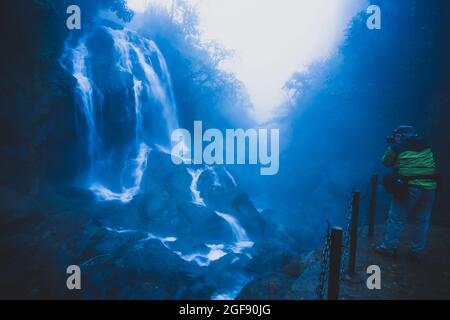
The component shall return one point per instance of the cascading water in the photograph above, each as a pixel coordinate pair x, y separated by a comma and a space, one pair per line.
230, 176
125, 97
216, 177
242, 241
127, 194
135, 52
81, 72
154, 113
196, 198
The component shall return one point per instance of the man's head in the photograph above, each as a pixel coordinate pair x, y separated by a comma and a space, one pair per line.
403, 132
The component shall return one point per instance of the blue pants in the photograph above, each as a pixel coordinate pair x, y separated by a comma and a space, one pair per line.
418, 205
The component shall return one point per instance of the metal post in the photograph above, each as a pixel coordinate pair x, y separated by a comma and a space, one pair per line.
335, 264
373, 204
356, 197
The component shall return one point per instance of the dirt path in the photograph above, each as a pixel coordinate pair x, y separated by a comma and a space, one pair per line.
402, 278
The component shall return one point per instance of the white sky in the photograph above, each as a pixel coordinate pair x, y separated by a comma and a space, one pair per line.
271, 39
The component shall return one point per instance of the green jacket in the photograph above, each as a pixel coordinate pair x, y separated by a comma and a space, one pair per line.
412, 157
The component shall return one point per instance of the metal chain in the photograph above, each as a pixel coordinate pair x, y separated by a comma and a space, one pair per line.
346, 242
324, 264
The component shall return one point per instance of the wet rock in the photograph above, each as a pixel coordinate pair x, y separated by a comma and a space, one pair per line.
273, 286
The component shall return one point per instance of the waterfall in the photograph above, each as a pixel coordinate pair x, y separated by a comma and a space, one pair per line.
196, 198
230, 176
204, 259
149, 236
81, 71
127, 194
216, 177
240, 236
142, 61
129, 45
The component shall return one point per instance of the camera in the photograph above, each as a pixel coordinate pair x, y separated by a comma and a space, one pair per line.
390, 139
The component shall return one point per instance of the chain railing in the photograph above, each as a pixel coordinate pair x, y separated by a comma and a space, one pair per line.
346, 242
349, 236
324, 263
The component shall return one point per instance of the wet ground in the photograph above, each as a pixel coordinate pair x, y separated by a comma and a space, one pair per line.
402, 278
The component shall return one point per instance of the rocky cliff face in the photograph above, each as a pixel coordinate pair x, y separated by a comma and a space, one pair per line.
163, 244
40, 137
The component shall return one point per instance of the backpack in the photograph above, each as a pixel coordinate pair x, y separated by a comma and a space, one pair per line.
397, 185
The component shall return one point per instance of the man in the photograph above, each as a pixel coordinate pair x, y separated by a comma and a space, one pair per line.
413, 163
